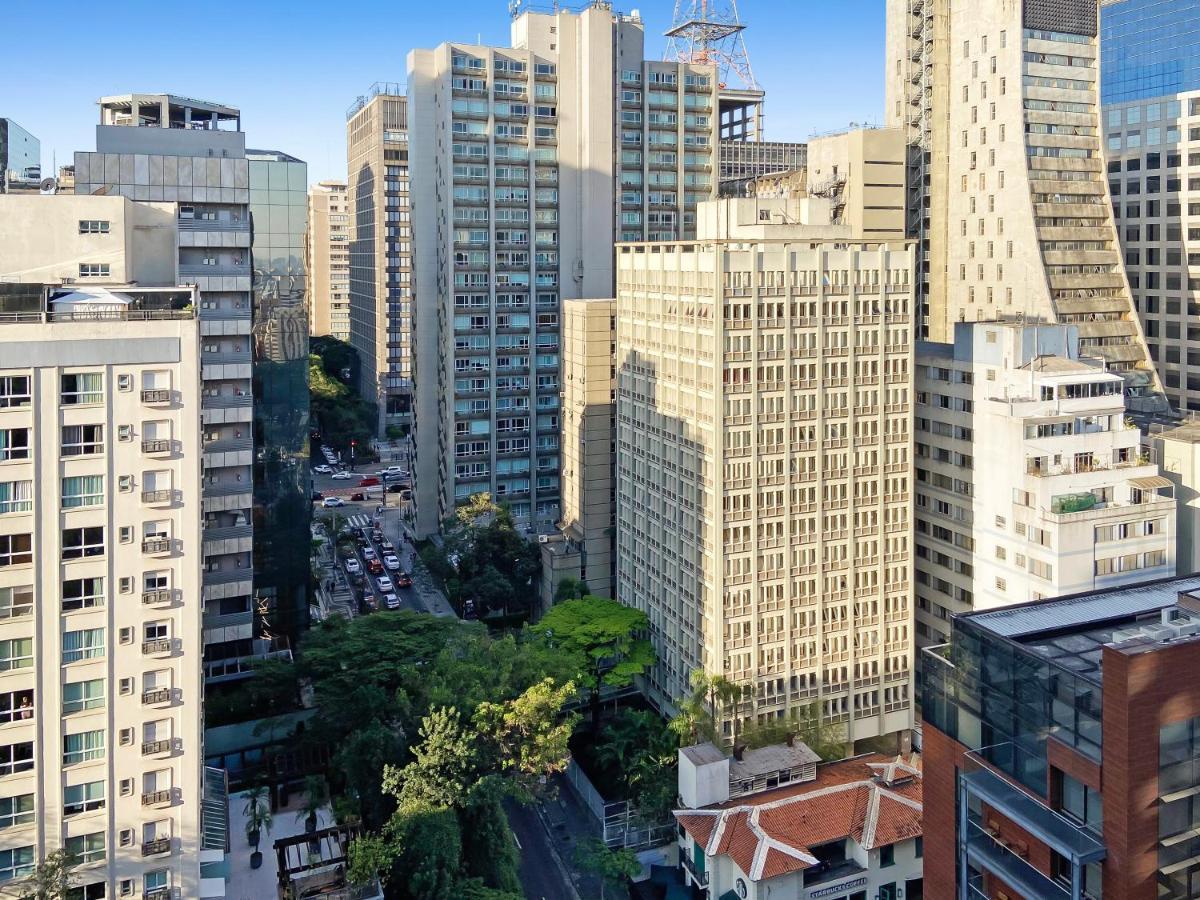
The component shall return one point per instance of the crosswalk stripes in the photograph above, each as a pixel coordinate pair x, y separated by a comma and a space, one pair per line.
359, 521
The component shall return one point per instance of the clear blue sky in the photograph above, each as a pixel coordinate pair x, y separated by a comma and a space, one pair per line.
293, 67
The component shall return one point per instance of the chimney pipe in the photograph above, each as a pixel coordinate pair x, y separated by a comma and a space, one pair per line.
738, 751
791, 739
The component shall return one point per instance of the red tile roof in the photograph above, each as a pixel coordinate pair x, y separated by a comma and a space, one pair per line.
874, 799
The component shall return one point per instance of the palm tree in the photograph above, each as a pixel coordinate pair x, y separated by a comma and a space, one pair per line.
315, 796
258, 819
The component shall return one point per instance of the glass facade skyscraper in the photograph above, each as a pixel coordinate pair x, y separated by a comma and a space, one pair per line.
278, 215
1148, 48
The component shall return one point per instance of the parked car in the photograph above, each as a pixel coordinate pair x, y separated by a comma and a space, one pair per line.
392, 563
366, 482
344, 475
368, 552
330, 502
353, 567
385, 584
391, 601
404, 579
323, 470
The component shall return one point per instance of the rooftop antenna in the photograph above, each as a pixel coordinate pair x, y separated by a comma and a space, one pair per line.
709, 32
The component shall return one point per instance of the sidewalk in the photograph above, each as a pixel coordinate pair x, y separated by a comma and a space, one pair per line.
570, 824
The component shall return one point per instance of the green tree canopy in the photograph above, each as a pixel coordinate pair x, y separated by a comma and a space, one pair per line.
602, 638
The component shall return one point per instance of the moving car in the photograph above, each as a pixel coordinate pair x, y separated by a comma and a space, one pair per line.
358, 495
375, 567
323, 470
368, 552
404, 579
353, 567
395, 488
346, 475
386, 546
385, 584
391, 601
392, 563
317, 495
366, 482
330, 502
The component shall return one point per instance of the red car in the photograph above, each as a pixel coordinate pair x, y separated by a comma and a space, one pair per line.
404, 580
368, 482
375, 567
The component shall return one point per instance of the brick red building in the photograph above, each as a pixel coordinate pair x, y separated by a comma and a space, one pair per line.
1061, 744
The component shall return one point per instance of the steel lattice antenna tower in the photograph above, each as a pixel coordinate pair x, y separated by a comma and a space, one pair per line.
710, 32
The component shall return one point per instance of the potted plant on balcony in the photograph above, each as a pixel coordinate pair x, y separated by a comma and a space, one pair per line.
258, 819
315, 796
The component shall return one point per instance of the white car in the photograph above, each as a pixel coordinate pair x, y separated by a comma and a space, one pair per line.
323, 470
393, 470
330, 502
385, 584
391, 601
353, 567
391, 563
368, 553
343, 475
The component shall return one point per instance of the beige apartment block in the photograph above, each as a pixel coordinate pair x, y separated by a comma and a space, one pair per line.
1002, 108
327, 258
101, 639
584, 548
764, 461
529, 161
381, 299
1031, 481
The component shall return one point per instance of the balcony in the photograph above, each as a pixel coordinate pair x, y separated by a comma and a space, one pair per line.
153, 598
156, 696
158, 798
167, 745
158, 646
156, 395
162, 893
156, 545
159, 497
156, 846
156, 446
699, 875
212, 225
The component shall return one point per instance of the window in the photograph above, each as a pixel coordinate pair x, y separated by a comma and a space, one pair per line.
16, 758
156, 880
97, 890
1081, 803
84, 746
78, 798
86, 848
16, 601
82, 389
14, 391
16, 810
14, 444
16, 653
87, 643
82, 440
83, 695
16, 496
82, 593
93, 226
82, 490
81, 542
887, 856
16, 863
93, 270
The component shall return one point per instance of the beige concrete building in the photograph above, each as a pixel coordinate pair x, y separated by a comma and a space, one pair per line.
100, 585
381, 298
764, 460
1178, 453
529, 161
327, 258
1031, 482
584, 548
1000, 101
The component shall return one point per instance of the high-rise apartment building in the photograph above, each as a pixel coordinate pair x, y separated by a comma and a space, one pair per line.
20, 155
242, 252
327, 260
528, 163
586, 550
381, 291
763, 457
1061, 743
1008, 198
1150, 88
100, 547
1031, 482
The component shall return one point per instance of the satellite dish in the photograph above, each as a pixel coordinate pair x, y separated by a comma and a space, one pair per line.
48, 186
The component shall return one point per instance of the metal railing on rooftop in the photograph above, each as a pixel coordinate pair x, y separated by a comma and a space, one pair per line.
96, 315
379, 88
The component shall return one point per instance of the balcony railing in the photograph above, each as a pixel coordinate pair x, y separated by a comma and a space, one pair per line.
156, 545
161, 496
156, 395
161, 645
150, 598
156, 846
168, 745
158, 695
158, 798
